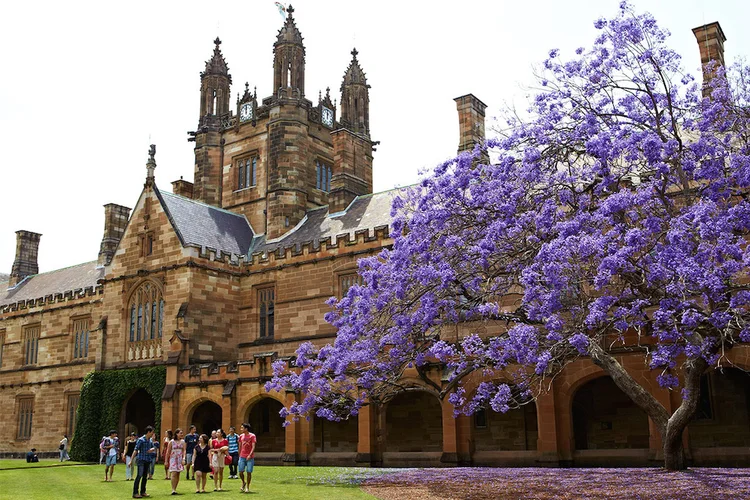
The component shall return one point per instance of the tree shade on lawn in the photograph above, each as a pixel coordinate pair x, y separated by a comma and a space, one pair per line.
613, 217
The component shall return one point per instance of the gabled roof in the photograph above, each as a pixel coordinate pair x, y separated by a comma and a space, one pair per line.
364, 213
198, 224
41, 285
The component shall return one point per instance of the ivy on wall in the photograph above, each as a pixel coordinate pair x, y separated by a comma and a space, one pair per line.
103, 394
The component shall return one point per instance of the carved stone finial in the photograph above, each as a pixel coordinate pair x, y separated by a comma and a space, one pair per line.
290, 10
150, 165
217, 41
354, 52
247, 87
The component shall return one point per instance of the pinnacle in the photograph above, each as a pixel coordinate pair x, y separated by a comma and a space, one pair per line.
354, 52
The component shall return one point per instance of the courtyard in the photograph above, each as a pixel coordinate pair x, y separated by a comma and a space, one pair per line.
50, 480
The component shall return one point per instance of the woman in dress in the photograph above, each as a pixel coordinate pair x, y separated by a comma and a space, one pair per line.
219, 451
167, 439
201, 464
176, 454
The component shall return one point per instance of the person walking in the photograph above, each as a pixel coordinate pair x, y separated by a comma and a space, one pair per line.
201, 463
64, 448
220, 451
167, 439
155, 457
176, 454
143, 455
234, 452
190, 441
102, 452
111, 447
127, 456
247, 456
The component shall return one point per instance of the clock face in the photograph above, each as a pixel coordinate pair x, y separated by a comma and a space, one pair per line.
246, 112
326, 116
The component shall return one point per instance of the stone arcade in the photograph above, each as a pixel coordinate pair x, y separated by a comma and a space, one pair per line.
221, 276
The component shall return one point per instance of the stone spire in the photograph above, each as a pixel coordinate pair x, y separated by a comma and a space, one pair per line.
289, 60
355, 99
289, 32
151, 165
217, 65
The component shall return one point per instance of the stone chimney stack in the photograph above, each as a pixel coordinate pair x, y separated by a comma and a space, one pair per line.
710, 38
182, 187
27, 253
115, 220
470, 122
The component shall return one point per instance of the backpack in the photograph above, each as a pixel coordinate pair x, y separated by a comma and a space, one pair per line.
105, 442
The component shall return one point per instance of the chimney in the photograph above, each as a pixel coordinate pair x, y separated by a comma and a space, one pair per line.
115, 220
711, 40
183, 188
470, 122
27, 252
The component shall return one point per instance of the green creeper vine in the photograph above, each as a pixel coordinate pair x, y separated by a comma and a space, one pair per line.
102, 395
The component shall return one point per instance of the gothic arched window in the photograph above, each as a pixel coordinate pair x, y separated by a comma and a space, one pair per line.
146, 313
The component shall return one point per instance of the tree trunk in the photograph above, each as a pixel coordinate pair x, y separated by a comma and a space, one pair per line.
674, 454
670, 427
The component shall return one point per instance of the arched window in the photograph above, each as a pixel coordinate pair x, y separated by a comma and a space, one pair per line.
146, 313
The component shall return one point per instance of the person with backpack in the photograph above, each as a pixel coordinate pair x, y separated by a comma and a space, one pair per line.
111, 447
64, 448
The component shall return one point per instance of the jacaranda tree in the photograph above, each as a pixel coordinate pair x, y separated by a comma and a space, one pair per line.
613, 219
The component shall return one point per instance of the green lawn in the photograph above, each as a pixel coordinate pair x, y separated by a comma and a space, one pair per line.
86, 482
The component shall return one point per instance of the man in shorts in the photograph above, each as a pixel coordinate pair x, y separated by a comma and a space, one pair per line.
247, 456
111, 448
191, 439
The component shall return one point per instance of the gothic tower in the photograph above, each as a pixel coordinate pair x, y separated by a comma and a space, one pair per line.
289, 60
215, 82
352, 147
288, 134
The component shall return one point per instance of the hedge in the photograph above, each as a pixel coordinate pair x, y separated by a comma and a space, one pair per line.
102, 395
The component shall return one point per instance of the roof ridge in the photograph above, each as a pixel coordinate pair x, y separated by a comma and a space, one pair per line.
62, 268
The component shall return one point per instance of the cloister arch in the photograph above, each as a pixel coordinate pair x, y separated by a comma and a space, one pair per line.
605, 418
138, 411
206, 415
723, 416
267, 425
414, 423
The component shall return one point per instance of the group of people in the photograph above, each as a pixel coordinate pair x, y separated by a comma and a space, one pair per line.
181, 453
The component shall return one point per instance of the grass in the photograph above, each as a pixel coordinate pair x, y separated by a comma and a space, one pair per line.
86, 482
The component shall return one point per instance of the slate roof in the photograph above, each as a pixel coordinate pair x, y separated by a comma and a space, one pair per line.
40, 285
206, 226
365, 212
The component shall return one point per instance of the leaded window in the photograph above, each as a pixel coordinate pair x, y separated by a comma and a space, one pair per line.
323, 174
247, 172
346, 281
80, 338
31, 344
73, 400
266, 299
146, 311
25, 417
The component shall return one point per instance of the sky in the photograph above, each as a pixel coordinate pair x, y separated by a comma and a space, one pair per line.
87, 86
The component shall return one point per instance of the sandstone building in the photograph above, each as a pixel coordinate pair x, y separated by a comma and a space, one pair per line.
218, 278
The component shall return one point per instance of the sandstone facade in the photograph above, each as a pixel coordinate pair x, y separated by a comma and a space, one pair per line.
228, 273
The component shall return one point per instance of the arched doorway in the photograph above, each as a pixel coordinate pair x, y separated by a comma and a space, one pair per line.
414, 423
267, 425
138, 412
605, 418
206, 417
336, 437
723, 416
